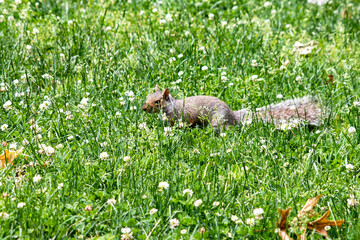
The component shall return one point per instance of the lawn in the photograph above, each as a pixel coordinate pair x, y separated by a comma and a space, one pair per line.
94, 165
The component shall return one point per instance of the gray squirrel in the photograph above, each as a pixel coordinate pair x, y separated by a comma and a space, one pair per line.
205, 110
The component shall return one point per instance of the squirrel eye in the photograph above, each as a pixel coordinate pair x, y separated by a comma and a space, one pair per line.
157, 101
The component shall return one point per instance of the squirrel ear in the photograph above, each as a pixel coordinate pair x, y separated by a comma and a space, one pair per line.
156, 88
166, 94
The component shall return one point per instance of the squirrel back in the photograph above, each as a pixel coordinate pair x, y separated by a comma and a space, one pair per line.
204, 110
195, 110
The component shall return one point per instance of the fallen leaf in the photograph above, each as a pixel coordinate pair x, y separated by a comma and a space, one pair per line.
299, 223
8, 157
307, 210
281, 223
320, 224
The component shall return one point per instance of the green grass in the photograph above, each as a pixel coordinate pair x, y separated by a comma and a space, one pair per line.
100, 50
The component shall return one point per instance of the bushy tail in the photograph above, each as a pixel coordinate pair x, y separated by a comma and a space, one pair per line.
289, 111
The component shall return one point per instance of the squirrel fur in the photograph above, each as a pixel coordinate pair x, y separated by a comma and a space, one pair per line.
205, 110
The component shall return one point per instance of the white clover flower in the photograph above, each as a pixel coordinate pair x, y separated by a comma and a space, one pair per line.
107, 29
187, 33
222, 134
142, 125
4, 215
167, 131
21, 205
234, 218
104, 155
126, 158
279, 96
196, 151
351, 202
153, 211
351, 130
184, 231
349, 167
267, 4
129, 93
214, 154
70, 22
60, 186
250, 221
88, 208
49, 150
117, 114
132, 108
16, 82
43, 107
71, 137
180, 56
174, 222
298, 78
211, 16
59, 146
7, 105
188, 191
127, 234
198, 203
162, 21
126, 230
37, 178
111, 201
46, 76
202, 48
163, 185
254, 77
168, 17
356, 104
224, 23
172, 59
216, 203
254, 63
258, 212
318, 2
84, 103
4, 127
204, 68
180, 73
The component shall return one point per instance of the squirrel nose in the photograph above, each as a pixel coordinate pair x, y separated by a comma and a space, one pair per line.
144, 107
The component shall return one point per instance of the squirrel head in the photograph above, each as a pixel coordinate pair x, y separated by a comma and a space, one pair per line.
156, 100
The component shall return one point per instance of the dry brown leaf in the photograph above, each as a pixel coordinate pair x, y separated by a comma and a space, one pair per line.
281, 223
8, 157
307, 210
320, 224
